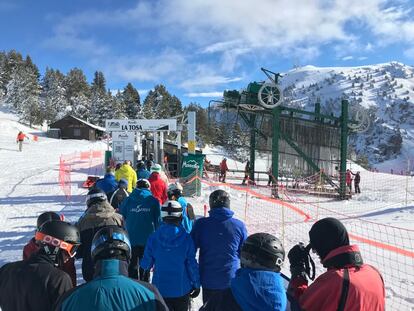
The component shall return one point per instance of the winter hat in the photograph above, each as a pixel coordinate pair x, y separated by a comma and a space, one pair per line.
123, 183
156, 168
219, 198
326, 235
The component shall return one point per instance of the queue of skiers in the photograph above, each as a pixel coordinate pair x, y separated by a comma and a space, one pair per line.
121, 246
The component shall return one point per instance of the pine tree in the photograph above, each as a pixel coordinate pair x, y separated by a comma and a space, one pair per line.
99, 100
23, 90
54, 103
78, 93
160, 104
131, 102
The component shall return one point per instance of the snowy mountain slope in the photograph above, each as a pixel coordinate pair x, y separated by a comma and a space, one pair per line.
386, 91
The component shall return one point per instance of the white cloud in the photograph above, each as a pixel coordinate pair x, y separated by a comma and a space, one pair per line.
409, 53
349, 57
362, 58
229, 31
204, 94
208, 81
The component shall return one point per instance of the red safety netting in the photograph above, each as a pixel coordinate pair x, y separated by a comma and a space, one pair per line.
383, 241
88, 162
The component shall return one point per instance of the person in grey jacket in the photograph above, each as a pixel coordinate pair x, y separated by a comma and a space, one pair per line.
99, 214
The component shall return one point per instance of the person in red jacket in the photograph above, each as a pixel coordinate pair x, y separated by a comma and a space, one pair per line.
158, 186
223, 170
32, 247
19, 139
348, 180
348, 284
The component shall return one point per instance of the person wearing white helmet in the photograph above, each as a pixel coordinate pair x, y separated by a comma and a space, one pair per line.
171, 252
158, 185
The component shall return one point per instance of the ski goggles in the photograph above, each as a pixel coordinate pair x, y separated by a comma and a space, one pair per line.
115, 236
47, 239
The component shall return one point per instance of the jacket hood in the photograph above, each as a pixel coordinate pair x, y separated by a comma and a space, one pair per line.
109, 176
124, 169
154, 176
343, 256
221, 213
259, 290
102, 207
170, 236
139, 194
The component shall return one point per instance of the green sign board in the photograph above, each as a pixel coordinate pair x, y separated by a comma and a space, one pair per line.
192, 165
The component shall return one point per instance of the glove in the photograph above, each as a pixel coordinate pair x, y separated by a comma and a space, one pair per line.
195, 292
297, 258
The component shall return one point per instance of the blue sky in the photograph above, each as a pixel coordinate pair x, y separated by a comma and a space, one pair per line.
198, 48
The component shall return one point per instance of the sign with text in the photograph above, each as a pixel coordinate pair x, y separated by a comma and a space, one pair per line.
123, 146
137, 125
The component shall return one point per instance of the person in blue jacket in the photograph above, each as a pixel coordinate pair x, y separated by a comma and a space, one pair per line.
141, 212
108, 183
258, 284
111, 289
142, 172
170, 251
219, 238
175, 192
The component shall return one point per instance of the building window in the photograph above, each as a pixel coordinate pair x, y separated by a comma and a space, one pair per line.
76, 132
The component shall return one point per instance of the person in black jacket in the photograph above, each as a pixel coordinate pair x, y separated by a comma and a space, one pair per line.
116, 197
37, 283
357, 180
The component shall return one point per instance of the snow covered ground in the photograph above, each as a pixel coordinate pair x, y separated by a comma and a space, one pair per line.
30, 186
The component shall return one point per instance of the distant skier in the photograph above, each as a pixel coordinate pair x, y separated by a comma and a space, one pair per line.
171, 252
246, 173
19, 140
111, 289
357, 180
33, 246
223, 170
348, 180
258, 284
348, 283
36, 284
220, 238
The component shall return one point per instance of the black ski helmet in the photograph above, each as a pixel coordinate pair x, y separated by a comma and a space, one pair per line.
140, 165
45, 217
95, 195
143, 183
174, 189
110, 242
262, 251
219, 198
171, 211
56, 235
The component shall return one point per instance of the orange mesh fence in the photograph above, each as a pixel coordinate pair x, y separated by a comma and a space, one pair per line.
88, 162
374, 219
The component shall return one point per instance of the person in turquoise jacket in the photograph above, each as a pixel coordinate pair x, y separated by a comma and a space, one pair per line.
141, 212
142, 172
111, 289
175, 192
171, 252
